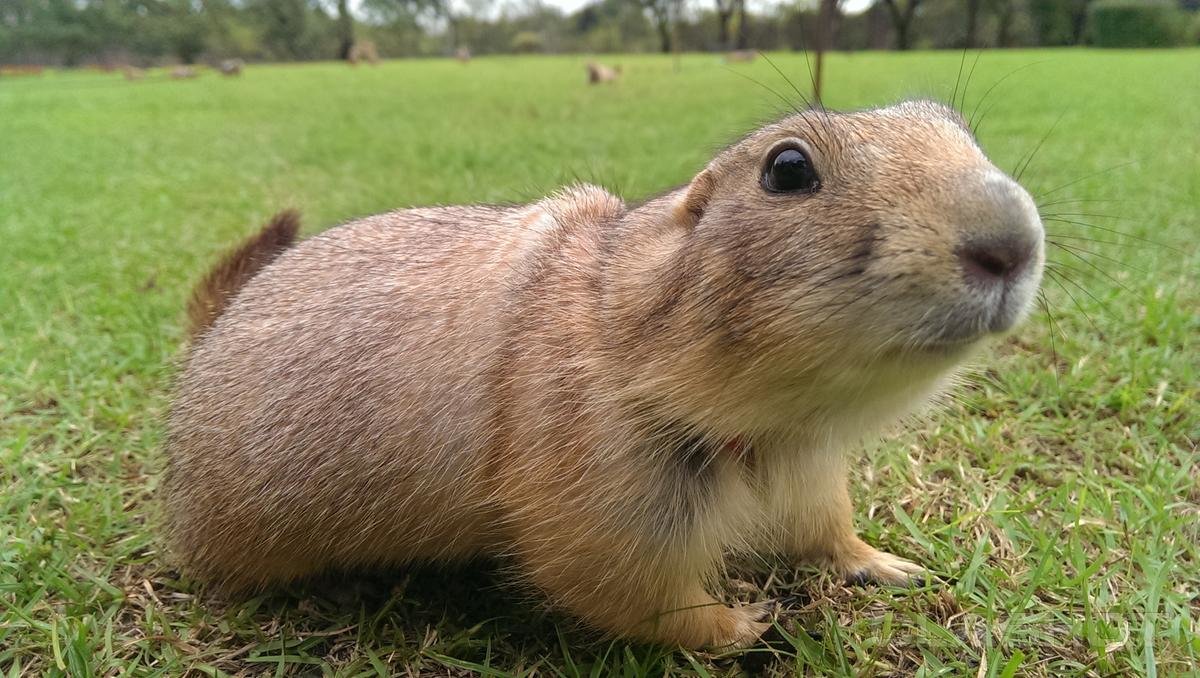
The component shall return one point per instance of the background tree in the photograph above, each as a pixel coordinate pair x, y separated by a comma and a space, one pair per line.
660, 13
1058, 22
1006, 11
972, 14
1079, 14
902, 12
742, 40
725, 11
827, 18
285, 27
345, 25
149, 32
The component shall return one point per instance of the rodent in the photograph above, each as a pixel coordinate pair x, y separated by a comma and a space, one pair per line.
598, 73
612, 397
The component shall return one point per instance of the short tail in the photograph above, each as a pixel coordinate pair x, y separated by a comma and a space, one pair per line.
213, 294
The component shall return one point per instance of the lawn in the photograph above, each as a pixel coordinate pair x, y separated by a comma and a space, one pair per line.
1056, 497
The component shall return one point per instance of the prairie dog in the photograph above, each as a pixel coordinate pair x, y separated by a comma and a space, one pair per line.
598, 73
613, 397
231, 67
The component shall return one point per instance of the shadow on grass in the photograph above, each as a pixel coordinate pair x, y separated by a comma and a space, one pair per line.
467, 619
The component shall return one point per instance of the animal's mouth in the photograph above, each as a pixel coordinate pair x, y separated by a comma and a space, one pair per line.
956, 328
983, 311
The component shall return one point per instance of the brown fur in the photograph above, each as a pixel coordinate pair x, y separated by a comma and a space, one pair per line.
236, 268
363, 50
614, 398
599, 73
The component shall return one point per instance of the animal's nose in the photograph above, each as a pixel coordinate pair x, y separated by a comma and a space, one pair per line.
992, 260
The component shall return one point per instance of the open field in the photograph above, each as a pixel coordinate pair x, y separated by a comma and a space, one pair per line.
1057, 498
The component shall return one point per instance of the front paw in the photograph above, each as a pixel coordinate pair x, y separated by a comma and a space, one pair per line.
861, 564
746, 624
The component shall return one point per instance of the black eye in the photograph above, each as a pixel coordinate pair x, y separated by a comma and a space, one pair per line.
790, 170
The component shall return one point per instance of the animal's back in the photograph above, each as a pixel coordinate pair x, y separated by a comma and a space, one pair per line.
350, 378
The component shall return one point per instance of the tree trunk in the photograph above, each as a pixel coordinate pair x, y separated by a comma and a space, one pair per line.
675, 14
1004, 31
663, 24
972, 24
724, 14
1078, 21
740, 6
824, 41
902, 20
345, 29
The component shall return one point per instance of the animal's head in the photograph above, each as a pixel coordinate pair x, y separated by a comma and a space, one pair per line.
867, 249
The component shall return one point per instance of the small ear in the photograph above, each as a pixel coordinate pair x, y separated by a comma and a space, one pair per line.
694, 202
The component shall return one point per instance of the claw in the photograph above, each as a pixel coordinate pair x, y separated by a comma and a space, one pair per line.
880, 567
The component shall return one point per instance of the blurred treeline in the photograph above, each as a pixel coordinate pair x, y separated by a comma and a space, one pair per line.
145, 32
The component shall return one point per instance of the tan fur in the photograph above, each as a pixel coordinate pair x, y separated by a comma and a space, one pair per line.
212, 295
613, 398
599, 73
363, 50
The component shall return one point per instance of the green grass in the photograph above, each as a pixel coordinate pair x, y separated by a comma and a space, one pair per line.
1057, 498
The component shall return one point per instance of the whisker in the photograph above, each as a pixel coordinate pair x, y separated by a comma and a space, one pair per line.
1085, 260
1084, 178
967, 84
813, 82
982, 116
1057, 265
782, 98
1055, 278
1064, 276
971, 121
1115, 232
812, 79
962, 60
1041, 296
1086, 214
1125, 264
1038, 147
1075, 200
1051, 236
817, 107
805, 99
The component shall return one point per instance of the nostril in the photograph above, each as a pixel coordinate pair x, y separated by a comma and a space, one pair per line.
987, 262
992, 261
